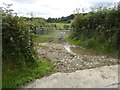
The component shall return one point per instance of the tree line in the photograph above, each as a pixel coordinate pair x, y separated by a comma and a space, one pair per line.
66, 19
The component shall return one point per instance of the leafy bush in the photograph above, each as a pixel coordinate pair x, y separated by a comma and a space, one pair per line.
98, 27
17, 40
20, 62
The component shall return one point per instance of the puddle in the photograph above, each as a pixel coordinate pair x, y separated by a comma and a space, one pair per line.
79, 50
82, 51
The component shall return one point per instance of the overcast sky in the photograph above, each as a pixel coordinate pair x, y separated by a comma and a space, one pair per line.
53, 8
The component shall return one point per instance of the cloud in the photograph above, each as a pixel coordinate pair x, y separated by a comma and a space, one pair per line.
53, 8
24, 1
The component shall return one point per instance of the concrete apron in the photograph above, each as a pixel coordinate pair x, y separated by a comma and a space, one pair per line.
102, 77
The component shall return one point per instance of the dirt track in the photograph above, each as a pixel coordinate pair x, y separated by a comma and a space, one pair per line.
65, 61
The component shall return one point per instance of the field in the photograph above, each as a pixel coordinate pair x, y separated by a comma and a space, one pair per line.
61, 25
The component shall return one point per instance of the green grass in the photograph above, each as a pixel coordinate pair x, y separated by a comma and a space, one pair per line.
45, 38
60, 25
19, 76
41, 39
72, 41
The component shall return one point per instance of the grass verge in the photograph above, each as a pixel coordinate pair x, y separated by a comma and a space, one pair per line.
72, 41
19, 76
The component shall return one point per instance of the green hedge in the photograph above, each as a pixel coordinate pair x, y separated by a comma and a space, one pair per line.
99, 28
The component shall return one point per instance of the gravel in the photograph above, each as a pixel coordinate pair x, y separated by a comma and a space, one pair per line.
65, 61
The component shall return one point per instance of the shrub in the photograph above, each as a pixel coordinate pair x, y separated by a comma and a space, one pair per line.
16, 39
